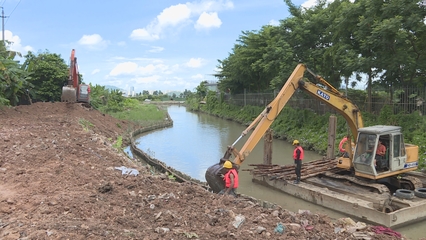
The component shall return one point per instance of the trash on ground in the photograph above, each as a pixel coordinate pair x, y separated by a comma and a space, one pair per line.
127, 171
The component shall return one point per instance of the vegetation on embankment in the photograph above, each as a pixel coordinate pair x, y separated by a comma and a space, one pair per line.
310, 128
128, 109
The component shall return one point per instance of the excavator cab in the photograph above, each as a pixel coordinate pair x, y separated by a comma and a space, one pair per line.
83, 93
368, 164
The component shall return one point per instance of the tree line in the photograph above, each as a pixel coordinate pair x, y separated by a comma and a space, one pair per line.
347, 41
40, 78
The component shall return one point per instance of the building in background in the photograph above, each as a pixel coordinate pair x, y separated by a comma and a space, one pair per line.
212, 86
131, 92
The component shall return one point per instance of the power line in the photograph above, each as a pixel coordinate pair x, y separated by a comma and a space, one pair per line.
13, 9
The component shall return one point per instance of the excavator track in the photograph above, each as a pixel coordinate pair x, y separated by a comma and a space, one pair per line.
410, 182
380, 188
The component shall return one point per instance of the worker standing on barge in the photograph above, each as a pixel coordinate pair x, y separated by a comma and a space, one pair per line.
298, 155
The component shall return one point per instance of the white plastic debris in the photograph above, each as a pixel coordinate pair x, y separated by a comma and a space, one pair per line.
127, 171
239, 219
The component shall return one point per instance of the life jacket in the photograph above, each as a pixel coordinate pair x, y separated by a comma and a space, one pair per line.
341, 148
301, 153
227, 178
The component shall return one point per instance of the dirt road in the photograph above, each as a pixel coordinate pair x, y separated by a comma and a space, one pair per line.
58, 180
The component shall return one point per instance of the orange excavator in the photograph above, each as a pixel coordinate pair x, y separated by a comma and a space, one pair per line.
75, 91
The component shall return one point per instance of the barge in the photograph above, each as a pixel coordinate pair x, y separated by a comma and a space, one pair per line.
322, 185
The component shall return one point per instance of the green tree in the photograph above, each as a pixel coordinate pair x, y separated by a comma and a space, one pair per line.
106, 100
49, 75
201, 90
14, 78
245, 67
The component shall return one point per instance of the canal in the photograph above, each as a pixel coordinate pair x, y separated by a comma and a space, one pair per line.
196, 141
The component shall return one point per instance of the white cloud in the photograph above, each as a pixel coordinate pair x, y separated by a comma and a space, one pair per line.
150, 79
155, 49
122, 43
170, 16
174, 15
197, 76
93, 41
177, 16
95, 71
206, 6
124, 68
143, 34
131, 68
309, 3
151, 68
208, 20
194, 62
15, 43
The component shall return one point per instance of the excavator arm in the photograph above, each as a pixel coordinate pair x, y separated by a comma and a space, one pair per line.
326, 94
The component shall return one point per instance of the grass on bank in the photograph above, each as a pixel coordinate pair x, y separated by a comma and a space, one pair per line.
132, 110
143, 114
137, 112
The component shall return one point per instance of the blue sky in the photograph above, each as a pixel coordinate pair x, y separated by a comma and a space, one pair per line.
162, 45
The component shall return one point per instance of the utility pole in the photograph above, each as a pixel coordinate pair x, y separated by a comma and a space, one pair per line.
2, 22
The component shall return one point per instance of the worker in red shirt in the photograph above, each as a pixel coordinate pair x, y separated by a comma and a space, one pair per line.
380, 156
342, 148
298, 155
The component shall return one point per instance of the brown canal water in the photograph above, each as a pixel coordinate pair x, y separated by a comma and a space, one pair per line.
196, 141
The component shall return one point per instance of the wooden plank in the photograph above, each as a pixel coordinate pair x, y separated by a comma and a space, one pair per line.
286, 172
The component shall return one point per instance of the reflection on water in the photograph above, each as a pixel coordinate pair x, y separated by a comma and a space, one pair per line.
197, 141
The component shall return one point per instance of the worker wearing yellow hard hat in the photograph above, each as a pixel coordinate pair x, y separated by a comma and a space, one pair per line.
227, 164
230, 178
298, 155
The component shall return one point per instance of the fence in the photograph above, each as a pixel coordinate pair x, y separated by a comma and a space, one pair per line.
402, 100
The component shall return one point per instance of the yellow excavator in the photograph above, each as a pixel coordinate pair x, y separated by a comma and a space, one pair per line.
75, 91
399, 158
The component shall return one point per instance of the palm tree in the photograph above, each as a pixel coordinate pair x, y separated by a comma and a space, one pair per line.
14, 83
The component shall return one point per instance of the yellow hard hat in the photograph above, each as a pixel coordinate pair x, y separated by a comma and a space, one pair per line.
227, 164
295, 142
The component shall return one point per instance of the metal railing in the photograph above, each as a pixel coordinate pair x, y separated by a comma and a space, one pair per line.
403, 100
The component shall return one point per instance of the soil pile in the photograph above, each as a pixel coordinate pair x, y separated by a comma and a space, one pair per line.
62, 178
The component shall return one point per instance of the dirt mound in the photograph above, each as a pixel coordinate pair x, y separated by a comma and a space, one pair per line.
59, 180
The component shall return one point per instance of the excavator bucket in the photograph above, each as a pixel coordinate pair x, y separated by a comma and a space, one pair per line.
69, 94
214, 179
